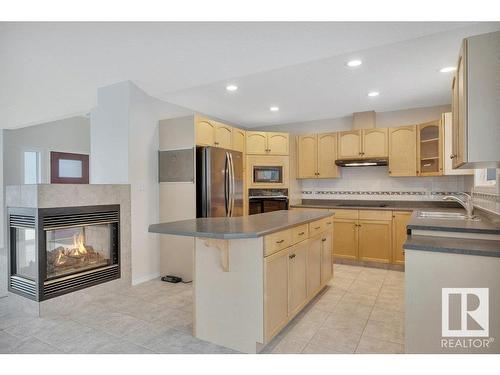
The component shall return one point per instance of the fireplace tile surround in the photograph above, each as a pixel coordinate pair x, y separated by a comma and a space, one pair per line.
49, 196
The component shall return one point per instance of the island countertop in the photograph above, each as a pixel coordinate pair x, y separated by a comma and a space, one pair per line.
252, 226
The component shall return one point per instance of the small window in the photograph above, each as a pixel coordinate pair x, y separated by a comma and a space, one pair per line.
68, 168
32, 167
485, 177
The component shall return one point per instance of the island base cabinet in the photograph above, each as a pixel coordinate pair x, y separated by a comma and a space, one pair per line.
276, 292
326, 257
297, 277
314, 265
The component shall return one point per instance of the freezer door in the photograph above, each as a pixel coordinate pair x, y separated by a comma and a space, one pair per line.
236, 191
218, 181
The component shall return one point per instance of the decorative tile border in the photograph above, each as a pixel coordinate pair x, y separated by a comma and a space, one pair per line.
406, 195
487, 196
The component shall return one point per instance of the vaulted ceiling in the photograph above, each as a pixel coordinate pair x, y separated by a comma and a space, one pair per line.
53, 70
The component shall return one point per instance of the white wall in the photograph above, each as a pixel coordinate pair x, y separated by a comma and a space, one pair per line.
3, 248
67, 135
124, 146
177, 201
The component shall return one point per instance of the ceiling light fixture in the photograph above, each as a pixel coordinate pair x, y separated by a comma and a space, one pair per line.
231, 87
447, 69
373, 93
354, 63
274, 109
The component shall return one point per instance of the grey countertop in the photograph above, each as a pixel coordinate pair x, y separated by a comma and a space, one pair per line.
238, 227
374, 204
484, 226
489, 248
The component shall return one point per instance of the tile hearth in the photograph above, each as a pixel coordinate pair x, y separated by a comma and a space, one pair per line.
362, 311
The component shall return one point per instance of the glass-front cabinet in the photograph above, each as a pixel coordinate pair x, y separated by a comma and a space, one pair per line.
430, 149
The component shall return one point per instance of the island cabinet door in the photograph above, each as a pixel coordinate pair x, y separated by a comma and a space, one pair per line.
276, 292
314, 265
326, 257
399, 222
297, 279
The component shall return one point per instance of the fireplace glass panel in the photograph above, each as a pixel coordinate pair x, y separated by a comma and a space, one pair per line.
25, 253
77, 249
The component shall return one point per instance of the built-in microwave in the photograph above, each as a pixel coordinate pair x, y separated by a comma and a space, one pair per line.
268, 174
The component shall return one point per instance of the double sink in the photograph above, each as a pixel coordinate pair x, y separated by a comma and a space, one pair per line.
446, 215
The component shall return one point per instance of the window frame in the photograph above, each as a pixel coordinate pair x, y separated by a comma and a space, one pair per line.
55, 178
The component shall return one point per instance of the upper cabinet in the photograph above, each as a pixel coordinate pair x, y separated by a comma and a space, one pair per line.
446, 124
430, 149
216, 134
363, 143
267, 143
316, 156
475, 103
349, 144
402, 151
375, 143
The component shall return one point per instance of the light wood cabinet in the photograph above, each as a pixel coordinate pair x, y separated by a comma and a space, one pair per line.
307, 150
205, 132
430, 149
238, 140
402, 151
326, 257
276, 292
256, 143
316, 155
345, 238
223, 135
267, 143
375, 143
446, 123
297, 277
399, 234
374, 240
349, 144
459, 109
314, 265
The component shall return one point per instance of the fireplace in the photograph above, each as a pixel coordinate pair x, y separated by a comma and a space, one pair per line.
54, 251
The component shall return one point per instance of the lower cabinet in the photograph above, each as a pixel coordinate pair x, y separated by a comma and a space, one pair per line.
374, 237
297, 277
313, 265
276, 292
345, 238
326, 257
399, 222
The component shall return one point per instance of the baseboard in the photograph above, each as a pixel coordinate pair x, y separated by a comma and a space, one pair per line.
143, 279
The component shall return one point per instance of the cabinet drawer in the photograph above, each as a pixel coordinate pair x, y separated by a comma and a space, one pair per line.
316, 227
375, 215
300, 233
277, 241
345, 214
328, 223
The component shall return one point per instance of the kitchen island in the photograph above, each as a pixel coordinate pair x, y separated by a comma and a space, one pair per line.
253, 274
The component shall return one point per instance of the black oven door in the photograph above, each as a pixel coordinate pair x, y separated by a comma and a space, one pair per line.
262, 205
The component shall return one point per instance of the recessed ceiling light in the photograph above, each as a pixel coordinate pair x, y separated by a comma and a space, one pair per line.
354, 63
447, 69
231, 87
373, 93
274, 108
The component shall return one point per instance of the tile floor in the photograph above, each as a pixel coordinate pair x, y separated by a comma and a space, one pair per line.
362, 311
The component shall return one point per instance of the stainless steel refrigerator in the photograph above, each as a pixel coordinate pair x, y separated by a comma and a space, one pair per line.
219, 182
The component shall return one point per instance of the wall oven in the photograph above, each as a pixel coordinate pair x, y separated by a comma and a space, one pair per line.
267, 200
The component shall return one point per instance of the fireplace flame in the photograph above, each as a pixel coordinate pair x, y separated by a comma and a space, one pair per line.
78, 245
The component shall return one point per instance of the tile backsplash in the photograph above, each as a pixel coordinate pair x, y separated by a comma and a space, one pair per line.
375, 183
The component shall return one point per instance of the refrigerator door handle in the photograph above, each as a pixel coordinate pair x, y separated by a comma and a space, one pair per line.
232, 184
226, 184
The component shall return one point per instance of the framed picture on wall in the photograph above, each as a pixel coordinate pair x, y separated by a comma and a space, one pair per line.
68, 168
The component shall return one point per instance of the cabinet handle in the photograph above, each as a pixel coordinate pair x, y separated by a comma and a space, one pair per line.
323, 239
301, 233
328, 222
216, 143
317, 227
389, 172
291, 256
453, 156
280, 241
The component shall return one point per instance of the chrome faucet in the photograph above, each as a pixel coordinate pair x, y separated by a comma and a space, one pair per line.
465, 202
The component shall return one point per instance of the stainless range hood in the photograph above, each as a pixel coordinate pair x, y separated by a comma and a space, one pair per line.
362, 120
361, 162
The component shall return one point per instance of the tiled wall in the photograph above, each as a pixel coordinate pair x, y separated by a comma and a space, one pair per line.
375, 183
